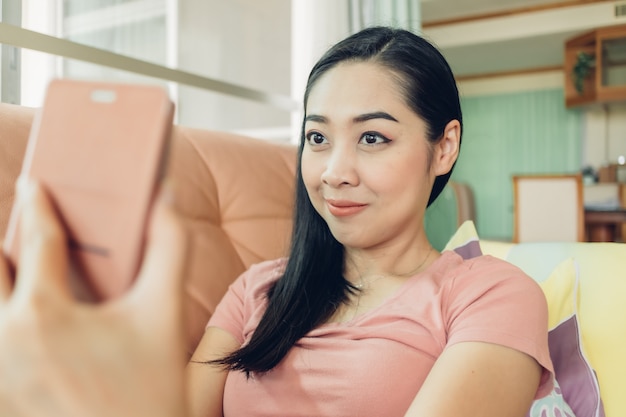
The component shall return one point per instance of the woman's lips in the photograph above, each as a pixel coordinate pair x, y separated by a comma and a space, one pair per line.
343, 208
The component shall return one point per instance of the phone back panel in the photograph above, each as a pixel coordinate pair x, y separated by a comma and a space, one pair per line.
98, 149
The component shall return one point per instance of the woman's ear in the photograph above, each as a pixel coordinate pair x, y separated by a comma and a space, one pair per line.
447, 149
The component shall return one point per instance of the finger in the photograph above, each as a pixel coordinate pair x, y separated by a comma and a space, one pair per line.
42, 265
160, 279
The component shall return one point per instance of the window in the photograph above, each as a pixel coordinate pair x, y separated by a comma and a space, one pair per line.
226, 42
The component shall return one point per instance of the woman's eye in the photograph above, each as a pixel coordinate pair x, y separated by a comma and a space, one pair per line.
315, 138
373, 139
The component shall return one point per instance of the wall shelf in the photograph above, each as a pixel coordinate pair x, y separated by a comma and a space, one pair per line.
606, 80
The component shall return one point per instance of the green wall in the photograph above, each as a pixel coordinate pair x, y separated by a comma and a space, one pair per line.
516, 133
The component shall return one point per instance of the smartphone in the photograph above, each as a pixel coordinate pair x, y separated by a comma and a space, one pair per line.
99, 150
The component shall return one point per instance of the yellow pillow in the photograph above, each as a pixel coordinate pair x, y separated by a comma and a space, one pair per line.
576, 379
602, 314
560, 291
601, 308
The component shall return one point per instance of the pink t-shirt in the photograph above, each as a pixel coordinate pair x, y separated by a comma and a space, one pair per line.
374, 364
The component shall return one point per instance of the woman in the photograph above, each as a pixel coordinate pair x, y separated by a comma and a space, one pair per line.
364, 317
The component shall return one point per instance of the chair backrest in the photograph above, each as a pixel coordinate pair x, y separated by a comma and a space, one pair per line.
449, 211
548, 208
465, 202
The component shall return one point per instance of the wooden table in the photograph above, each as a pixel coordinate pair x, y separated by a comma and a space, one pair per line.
603, 225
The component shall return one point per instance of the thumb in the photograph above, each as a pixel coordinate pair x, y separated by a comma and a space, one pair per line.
42, 264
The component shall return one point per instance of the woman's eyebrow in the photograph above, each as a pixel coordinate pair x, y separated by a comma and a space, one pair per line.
358, 119
316, 118
374, 115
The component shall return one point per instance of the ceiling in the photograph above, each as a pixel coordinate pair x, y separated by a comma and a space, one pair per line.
536, 46
433, 10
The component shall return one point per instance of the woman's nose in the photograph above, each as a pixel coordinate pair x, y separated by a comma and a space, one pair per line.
341, 168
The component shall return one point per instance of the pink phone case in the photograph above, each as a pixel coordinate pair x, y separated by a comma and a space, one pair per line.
99, 150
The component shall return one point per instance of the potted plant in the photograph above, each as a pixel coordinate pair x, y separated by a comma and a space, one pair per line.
582, 68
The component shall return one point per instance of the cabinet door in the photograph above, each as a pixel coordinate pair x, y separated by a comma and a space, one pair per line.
611, 64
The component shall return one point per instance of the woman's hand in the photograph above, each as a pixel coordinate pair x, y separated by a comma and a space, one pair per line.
60, 357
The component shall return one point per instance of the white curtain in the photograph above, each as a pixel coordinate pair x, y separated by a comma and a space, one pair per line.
398, 13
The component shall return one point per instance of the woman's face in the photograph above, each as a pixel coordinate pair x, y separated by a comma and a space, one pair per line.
365, 162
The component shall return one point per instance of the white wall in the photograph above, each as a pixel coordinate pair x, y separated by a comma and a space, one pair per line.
605, 134
511, 83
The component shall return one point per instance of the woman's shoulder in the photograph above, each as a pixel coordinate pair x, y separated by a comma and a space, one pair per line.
260, 276
481, 266
486, 273
266, 268
246, 297
493, 296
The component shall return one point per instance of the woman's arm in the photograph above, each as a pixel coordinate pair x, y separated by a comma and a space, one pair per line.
205, 382
478, 379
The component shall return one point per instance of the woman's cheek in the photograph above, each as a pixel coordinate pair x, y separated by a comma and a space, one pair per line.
311, 176
311, 170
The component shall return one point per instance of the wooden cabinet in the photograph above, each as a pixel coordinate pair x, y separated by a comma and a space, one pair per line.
595, 67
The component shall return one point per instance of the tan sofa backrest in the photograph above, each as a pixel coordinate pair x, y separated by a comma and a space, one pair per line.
235, 194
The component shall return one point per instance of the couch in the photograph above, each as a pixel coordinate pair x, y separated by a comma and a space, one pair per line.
235, 195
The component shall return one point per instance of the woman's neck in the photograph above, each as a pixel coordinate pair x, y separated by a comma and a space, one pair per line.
402, 261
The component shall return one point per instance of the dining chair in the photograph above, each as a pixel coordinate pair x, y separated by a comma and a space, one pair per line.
548, 208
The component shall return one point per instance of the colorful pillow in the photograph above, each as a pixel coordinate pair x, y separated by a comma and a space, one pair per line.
465, 241
601, 306
552, 405
576, 380
575, 392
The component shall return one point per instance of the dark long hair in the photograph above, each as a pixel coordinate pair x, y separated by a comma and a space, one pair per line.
313, 286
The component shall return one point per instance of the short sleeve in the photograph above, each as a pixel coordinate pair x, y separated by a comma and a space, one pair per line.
244, 302
496, 302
